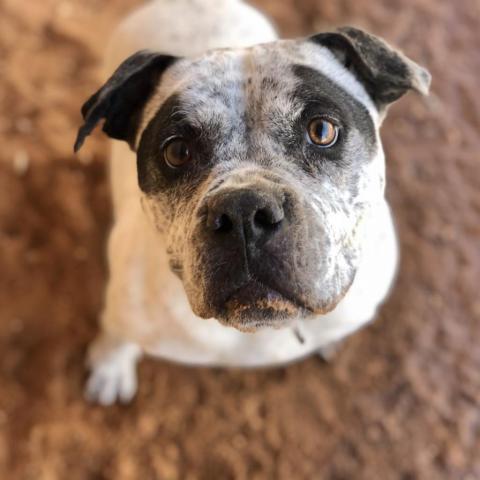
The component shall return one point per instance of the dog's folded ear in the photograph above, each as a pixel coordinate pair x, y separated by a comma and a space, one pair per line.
385, 73
121, 100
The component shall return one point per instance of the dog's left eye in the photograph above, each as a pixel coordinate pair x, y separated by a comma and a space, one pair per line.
322, 132
176, 152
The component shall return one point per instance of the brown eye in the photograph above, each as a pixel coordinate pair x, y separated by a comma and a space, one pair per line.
176, 153
322, 132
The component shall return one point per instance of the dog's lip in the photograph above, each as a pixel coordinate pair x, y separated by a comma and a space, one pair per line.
255, 295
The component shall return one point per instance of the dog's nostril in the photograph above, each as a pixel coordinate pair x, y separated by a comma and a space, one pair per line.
267, 219
222, 224
243, 213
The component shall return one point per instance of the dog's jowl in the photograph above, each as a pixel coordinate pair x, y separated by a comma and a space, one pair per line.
248, 180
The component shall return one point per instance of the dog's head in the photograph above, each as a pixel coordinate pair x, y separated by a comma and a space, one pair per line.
261, 166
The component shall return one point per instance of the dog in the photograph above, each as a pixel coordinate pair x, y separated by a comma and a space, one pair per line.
250, 222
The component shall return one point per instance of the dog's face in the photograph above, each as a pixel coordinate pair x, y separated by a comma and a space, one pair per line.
260, 167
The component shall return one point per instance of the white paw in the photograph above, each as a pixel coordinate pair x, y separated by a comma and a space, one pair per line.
113, 377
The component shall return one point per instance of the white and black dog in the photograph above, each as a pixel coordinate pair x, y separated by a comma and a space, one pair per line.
251, 226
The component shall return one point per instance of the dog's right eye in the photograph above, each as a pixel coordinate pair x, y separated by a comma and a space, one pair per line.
176, 152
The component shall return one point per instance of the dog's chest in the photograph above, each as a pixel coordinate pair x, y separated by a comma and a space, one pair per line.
196, 341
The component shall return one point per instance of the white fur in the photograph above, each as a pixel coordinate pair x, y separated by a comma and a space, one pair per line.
146, 307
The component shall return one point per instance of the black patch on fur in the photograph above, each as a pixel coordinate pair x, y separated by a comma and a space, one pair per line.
385, 73
322, 97
154, 175
121, 99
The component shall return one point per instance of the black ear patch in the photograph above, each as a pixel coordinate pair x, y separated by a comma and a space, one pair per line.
121, 100
386, 73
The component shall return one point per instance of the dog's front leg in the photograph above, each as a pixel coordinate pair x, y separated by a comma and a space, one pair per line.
112, 357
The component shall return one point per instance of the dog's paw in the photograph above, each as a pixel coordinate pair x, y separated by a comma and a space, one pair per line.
109, 383
113, 376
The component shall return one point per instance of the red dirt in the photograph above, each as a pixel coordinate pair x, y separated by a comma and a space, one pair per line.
400, 401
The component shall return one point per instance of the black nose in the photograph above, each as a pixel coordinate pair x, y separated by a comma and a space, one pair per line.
245, 212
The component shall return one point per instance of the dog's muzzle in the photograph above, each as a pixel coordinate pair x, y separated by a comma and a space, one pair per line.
256, 255
244, 230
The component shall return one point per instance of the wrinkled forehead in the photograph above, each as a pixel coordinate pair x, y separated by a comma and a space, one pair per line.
261, 78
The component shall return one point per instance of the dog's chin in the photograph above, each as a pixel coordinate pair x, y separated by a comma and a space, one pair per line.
255, 306
252, 319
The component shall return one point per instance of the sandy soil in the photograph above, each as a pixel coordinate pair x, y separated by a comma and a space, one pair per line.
401, 400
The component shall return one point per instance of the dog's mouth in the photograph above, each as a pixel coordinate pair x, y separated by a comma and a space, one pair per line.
255, 305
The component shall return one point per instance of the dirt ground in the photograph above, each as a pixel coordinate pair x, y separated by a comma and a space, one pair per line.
401, 400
